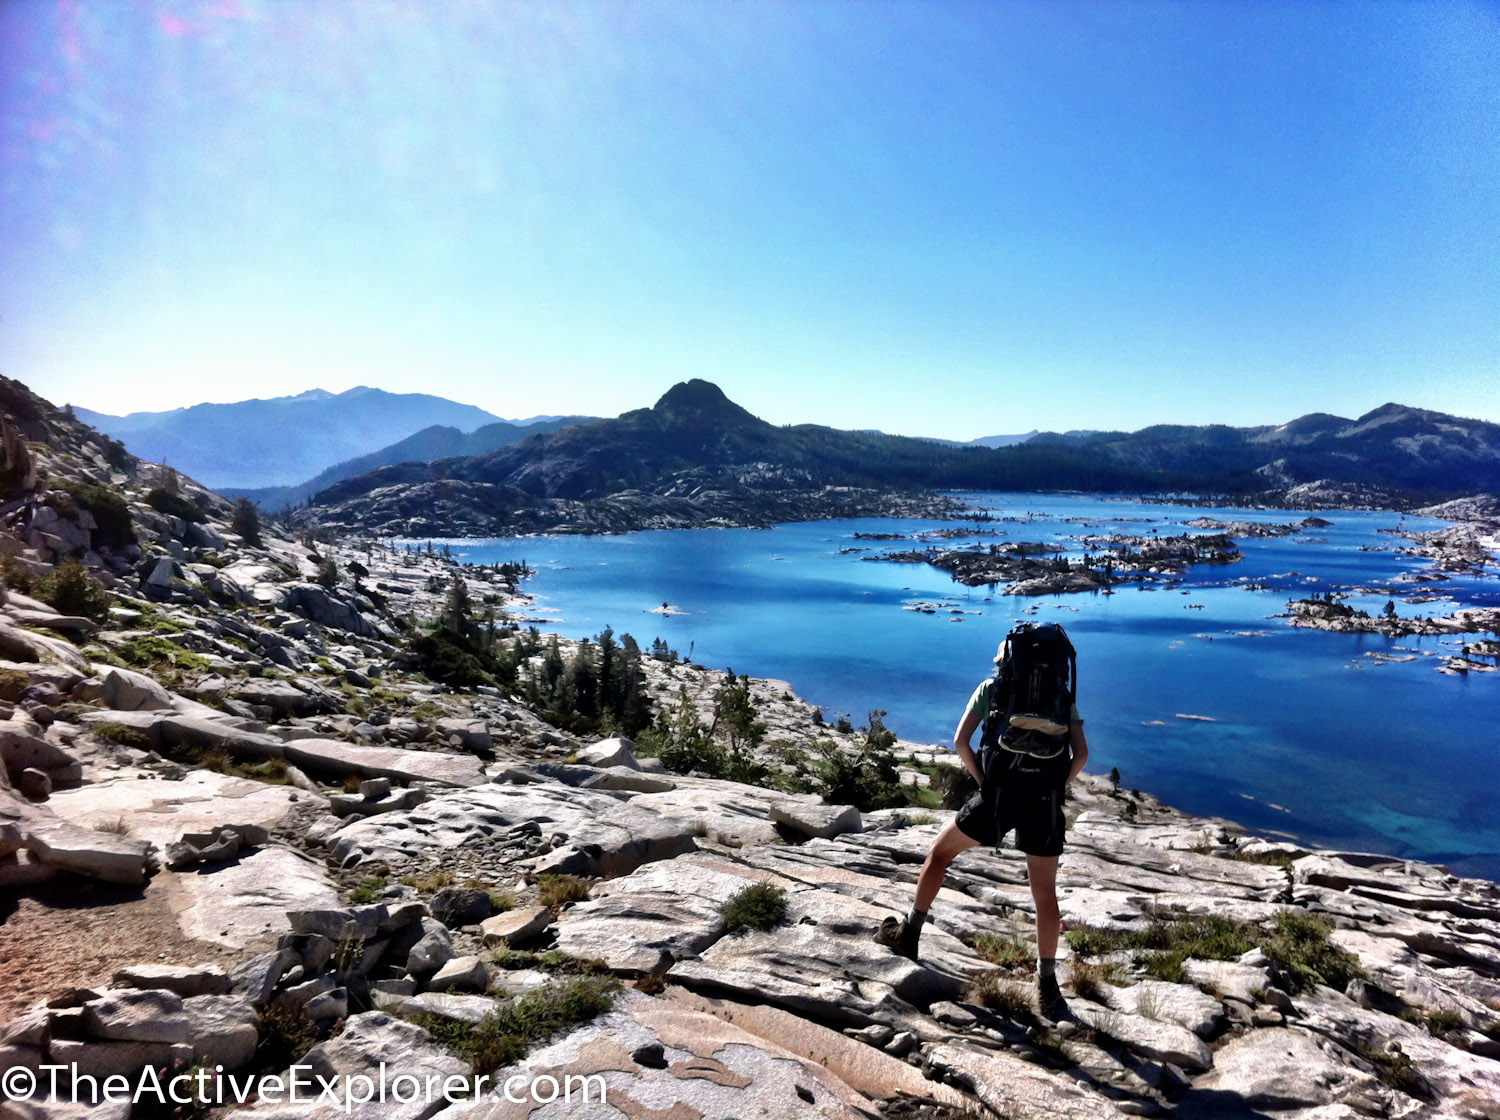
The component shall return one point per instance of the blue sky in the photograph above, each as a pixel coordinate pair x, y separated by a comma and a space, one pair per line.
933, 218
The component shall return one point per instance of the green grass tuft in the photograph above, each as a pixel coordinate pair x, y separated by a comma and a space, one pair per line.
1006, 950
554, 890
1296, 941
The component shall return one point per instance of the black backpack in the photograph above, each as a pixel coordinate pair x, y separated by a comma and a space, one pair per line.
1031, 701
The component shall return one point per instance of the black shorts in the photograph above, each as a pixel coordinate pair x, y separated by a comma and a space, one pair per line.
1036, 818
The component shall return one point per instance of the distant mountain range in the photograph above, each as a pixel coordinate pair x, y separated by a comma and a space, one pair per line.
1393, 448
436, 442
696, 454
282, 441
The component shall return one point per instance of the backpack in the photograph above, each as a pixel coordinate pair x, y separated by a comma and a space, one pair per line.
1031, 703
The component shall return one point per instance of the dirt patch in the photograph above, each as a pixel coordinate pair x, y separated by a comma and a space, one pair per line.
71, 932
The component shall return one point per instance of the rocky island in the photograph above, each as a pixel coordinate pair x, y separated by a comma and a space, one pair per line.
249, 822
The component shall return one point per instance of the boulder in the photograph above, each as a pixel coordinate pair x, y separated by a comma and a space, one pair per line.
186, 981
327, 608
256, 978
107, 856
460, 906
460, 1008
34, 784
473, 734
842, 978
109, 1059
64, 623
374, 1042
653, 1057
624, 778
1013, 1087
282, 697
1170, 1003
517, 927
224, 1030
22, 747
361, 805
461, 974
618, 843
1274, 1069
61, 677
28, 1028
610, 752
812, 818
330, 756
431, 952
332, 1004
359, 923
1154, 1038
26, 645
123, 690
137, 1015
1230, 979
659, 914
240, 903
857, 1061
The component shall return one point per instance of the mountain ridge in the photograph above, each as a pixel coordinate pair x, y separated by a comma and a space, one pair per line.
697, 457
281, 441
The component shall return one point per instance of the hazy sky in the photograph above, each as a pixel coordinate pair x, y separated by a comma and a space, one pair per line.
932, 218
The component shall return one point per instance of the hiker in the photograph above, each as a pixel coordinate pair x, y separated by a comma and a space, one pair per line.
1033, 746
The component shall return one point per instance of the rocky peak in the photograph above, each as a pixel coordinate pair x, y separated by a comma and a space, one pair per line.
700, 402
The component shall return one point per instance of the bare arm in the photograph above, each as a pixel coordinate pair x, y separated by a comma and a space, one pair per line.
1080, 750
961, 737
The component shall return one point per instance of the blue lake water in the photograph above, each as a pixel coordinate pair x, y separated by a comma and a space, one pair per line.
1305, 733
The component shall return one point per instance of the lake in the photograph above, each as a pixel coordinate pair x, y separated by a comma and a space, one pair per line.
1340, 740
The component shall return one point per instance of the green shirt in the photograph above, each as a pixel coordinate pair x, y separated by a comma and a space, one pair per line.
979, 703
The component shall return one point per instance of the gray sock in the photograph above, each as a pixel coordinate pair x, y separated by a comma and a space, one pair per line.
915, 918
1046, 966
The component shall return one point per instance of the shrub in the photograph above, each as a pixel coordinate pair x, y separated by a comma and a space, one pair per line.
953, 786
71, 590
1300, 947
1397, 1071
867, 778
754, 906
328, 573
246, 521
367, 889
151, 651
15, 575
173, 505
503, 1036
452, 659
1443, 1020
286, 1034
111, 514
123, 735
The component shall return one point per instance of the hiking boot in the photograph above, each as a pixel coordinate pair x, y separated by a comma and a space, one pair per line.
896, 935
1049, 1000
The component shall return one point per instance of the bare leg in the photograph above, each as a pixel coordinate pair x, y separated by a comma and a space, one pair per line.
1041, 871
949, 843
